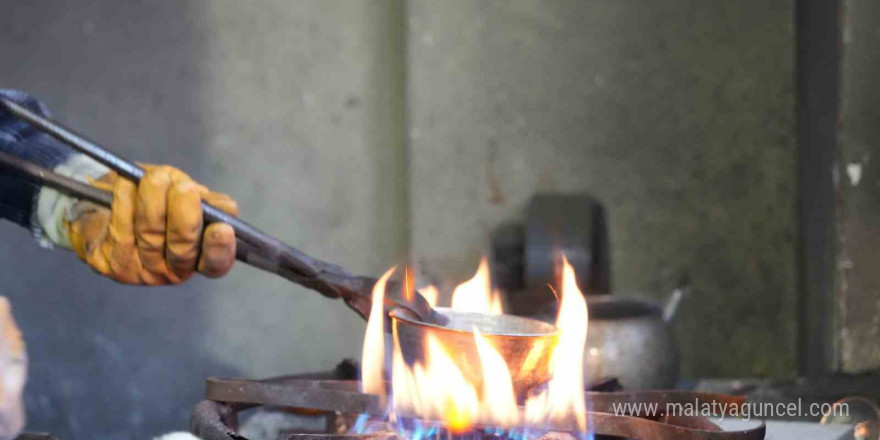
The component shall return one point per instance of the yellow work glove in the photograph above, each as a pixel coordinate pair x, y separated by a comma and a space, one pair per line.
154, 232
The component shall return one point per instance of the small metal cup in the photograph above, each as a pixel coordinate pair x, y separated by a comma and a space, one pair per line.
526, 344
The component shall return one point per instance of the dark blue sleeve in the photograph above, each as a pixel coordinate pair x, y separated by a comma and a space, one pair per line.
17, 196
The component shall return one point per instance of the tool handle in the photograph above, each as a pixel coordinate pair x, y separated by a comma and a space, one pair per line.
45, 177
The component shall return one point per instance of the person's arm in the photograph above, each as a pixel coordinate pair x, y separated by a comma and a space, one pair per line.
154, 232
18, 198
25, 203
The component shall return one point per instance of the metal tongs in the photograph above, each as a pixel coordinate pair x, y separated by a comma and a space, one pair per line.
254, 247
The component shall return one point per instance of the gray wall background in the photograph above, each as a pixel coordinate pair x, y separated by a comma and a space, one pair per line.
370, 132
678, 116
858, 189
283, 105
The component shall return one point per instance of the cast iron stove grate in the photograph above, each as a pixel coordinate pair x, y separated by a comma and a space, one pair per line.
335, 397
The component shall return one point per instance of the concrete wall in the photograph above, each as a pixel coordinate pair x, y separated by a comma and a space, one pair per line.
858, 191
284, 105
677, 115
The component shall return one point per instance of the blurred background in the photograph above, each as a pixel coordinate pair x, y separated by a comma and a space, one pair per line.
730, 143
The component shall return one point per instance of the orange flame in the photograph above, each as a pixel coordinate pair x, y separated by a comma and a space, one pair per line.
498, 404
564, 398
436, 389
475, 294
373, 355
409, 284
566, 389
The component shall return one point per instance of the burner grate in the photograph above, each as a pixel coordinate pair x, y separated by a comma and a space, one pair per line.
335, 396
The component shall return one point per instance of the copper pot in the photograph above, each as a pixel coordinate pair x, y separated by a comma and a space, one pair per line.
526, 344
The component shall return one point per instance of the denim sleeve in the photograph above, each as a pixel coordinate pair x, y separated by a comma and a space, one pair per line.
17, 196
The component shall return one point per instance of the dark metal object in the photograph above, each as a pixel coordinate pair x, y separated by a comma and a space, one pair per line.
42, 176
508, 256
605, 384
605, 402
323, 395
804, 391
818, 67
525, 257
639, 428
344, 396
216, 420
255, 247
573, 224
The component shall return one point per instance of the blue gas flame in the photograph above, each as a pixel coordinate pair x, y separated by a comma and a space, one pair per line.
415, 429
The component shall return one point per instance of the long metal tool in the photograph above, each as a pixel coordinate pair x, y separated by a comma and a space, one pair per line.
274, 249
255, 247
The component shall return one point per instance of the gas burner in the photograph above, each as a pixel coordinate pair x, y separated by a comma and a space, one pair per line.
336, 398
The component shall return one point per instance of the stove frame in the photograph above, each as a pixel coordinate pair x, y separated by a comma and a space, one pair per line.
335, 395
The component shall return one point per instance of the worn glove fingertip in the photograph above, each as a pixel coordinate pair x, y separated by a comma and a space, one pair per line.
218, 250
229, 206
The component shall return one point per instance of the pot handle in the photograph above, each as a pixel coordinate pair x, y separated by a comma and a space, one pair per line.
672, 304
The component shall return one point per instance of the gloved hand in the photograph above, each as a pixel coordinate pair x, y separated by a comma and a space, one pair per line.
154, 232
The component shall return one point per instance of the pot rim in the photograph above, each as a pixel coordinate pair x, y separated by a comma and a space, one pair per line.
615, 308
406, 317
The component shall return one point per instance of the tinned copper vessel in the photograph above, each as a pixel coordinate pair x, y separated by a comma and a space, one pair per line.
526, 344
